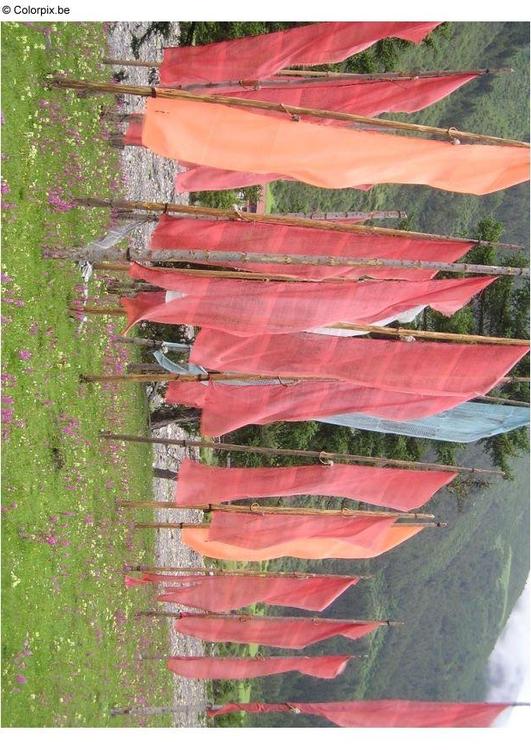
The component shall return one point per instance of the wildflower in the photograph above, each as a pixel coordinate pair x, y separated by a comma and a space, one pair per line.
21, 679
4, 187
24, 354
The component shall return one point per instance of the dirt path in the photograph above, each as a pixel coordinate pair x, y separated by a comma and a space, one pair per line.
148, 176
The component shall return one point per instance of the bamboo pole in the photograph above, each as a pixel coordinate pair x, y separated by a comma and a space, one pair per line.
237, 258
256, 509
296, 112
499, 400
260, 510
182, 525
257, 657
397, 332
245, 617
296, 453
317, 74
253, 574
152, 207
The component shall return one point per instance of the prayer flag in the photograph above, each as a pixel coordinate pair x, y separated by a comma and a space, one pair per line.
247, 308
324, 155
223, 593
306, 549
263, 530
400, 489
382, 713
283, 632
419, 367
243, 236
258, 57
229, 668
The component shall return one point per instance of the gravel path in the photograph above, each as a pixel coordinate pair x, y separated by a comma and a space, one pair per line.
151, 177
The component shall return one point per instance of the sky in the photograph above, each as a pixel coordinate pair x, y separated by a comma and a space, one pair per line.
509, 668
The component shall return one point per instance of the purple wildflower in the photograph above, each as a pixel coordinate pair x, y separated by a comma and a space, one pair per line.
24, 354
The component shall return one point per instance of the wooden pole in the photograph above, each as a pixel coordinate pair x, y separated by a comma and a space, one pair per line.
245, 617
313, 74
255, 509
236, 215
237, 258
159, 710
258, 657
171, 525
172, 93
253, 574
498, 400
295, 453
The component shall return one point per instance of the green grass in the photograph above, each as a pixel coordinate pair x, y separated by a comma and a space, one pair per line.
69, 637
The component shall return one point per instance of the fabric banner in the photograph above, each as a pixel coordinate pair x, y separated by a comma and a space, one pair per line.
382, 713
241, 236
399, 489
465, 423
419, 367
259, 57
305, 549
323, 155
262, 530
282, 632
215, 668
228, 407
225, 593
248, 308
197, 178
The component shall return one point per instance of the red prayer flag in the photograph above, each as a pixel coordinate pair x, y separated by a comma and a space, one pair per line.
262, 56
247, 308
420, 367
228, 668
283, 632
323, 155
226, 407
225, 593
400, 489
241, 236
262, 530
306, 549
382, 713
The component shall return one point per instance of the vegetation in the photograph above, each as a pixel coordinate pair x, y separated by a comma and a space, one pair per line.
69, 638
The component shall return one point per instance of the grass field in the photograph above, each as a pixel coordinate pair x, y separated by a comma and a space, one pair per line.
69, 640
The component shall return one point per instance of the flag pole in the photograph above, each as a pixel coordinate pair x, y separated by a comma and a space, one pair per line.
314, 74
247, 572
159, 207
171, 93
159, 710
323, 456
182, 525
255, 508
243, 617
237, 258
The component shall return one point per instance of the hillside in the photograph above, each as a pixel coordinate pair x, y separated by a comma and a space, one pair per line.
494, 105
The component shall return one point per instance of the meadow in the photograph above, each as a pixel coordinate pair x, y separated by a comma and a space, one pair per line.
70, 639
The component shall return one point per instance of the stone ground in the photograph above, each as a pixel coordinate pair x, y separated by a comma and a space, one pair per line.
150, 177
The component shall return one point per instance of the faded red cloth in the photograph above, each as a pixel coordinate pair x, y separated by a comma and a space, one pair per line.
223, 593
305, 549
215, 668
247, 308
261, 530
196, 178
262, 56
419, 367
133, 134
382, 713
227, 407
400, 489
241, 236
323, 155
283, 632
